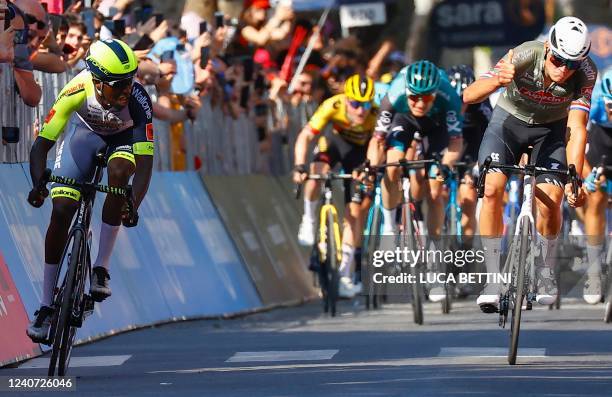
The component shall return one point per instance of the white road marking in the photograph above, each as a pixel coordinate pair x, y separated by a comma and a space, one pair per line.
91, 361
489, 352
272, 356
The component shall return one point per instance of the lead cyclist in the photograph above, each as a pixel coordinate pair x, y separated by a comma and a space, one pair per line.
101, 109
546, 104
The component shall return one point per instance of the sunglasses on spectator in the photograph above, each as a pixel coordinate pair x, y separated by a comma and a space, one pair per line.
359, 104
31, 19
422, 97
559, 61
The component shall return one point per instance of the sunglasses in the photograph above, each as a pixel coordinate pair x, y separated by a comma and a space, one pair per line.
422, 97
31, 19
559, 61
120, 84
359, 104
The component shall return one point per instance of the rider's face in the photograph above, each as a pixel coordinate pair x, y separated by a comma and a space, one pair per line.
357, 111
420, 105
557, 68
116, 95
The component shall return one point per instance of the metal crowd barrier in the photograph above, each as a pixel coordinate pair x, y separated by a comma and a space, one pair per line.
223, 145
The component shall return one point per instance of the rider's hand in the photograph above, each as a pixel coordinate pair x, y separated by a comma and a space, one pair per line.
590, 183
299, 174
573, 200
506, 71
37, 198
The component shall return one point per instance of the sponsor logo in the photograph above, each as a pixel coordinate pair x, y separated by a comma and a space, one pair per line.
149, 130
586, 91
543, 96
143, 100
587, 68
50, 116
495, 157
554, 166
65, 192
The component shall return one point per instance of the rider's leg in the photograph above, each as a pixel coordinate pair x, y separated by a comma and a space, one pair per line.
391, 190
119, 171
594, 225
350, 237
311, 193
467, 202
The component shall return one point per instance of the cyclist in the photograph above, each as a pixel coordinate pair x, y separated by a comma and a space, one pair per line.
475, 120
599, 143
415, 102
101, 109
548, 95
352, 119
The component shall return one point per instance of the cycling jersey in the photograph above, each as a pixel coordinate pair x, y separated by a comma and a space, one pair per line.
527, 99
77, 102
598, 114
447, 104
333, 110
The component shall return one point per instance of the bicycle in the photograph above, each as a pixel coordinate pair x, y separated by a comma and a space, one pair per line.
70, 302
604, 169
371, 243
326, 255
520, 262
409, 236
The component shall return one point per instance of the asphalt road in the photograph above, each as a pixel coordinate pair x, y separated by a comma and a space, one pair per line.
301, 352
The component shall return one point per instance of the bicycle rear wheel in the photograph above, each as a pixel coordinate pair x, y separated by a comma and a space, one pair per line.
332, 265
518, 292
407, 240
62, 334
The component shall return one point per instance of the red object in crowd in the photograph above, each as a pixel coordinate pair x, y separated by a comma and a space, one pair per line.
257, 4
54, 6
298, 38
197, 162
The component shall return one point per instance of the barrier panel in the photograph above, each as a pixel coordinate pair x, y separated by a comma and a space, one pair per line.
178, 263
263, 226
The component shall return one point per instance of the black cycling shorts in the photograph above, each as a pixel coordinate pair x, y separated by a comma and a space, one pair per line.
332, 150
599, 143
76, 155
507, 138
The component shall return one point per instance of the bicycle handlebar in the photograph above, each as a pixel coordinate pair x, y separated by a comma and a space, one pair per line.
528, 169
330, 176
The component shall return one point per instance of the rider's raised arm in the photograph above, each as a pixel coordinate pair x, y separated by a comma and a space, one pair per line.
141, 112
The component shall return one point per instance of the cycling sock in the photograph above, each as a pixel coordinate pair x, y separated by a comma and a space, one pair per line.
48, 284
348, 255
548, 247
108, 235
389, 219
310, 208
492, 249
594, 258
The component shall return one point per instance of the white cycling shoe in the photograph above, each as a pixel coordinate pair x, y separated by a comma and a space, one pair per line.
306, 233
346, 288
488, 301
592, 289
437, 293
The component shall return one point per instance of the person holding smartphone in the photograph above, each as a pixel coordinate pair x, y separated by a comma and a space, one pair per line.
7, 35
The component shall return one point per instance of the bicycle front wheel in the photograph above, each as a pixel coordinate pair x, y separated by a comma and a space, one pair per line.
408, 240
64, 331
372, 244
332, 264
518, 292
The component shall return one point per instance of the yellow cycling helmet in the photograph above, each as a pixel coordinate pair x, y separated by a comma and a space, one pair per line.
111, 60
359, 88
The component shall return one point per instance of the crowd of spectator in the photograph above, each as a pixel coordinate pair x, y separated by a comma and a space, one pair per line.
243, 65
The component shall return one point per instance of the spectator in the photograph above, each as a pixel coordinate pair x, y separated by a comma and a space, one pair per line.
6, 37
77, 42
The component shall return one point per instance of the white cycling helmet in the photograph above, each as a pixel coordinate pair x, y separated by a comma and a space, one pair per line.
569, 38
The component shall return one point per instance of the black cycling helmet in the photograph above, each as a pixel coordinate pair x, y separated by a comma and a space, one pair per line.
460, 77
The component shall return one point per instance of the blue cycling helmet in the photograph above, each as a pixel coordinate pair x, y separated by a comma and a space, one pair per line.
422, 77
606, 83
460, 77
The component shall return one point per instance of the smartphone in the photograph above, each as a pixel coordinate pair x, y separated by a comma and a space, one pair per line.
119, 28
87, 3
203, 27
244, 96
88, 19
218, 19
248, 66
204, 55
159, 18
10, 134
146, 13
167, 56
7, 18
180, 47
